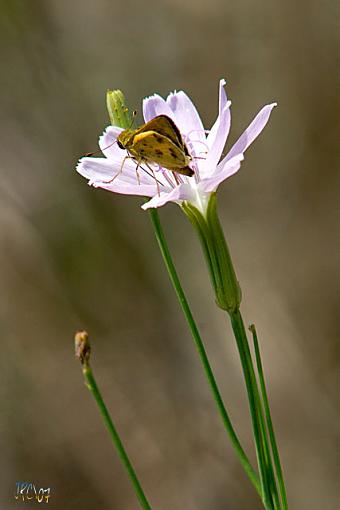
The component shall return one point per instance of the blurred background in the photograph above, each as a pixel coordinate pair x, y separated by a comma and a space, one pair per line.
75, 257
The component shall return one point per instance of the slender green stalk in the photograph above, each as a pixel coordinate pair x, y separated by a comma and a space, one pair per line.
228, 297
83, 353
269, 422
254, 404
201, 350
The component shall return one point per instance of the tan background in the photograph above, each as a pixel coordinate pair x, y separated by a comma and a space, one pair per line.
75, 257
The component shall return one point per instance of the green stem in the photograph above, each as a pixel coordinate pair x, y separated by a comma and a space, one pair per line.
201, 350
254, 403
272, 437
228, 297
92, 386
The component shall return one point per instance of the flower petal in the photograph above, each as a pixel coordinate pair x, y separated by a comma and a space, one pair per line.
222, 96
156, 105
223, 102
181, 192
107, 142
223, 171
217, 140
186, 117
117, 186
99, 170
252, 132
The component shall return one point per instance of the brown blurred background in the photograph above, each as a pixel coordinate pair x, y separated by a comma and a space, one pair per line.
75, 257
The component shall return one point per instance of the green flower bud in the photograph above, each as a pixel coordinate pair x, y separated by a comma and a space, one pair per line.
118, 112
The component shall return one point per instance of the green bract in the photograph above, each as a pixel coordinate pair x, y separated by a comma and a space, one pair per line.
222, 273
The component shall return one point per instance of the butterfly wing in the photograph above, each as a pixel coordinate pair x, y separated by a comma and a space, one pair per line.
155, 147
165, 126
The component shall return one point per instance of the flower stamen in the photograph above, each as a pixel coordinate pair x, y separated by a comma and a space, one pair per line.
178, 178
167, 177
154, 176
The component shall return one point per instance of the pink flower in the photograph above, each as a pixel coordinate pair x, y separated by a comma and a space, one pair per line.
205, 148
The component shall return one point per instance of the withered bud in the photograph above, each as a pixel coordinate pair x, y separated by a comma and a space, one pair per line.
82, 347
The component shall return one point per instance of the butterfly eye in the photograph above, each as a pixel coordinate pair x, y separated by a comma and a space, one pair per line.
120, 145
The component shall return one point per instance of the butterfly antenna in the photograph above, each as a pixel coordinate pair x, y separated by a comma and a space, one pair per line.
134, 114
89, 154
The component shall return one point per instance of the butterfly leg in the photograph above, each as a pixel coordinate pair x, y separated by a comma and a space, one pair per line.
120, 171
154, 176
137, 174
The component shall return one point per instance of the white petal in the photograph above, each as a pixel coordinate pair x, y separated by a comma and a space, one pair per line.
187, 118
217, 140
223, 103
123, 188
222, 96
222, 173
156, 105
252, 131
108, 143
99, 170
181, 192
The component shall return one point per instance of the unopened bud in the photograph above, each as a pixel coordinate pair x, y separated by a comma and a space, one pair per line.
82, 347
118, 111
